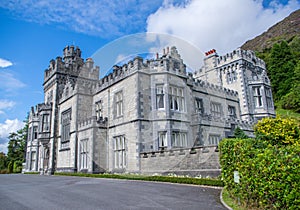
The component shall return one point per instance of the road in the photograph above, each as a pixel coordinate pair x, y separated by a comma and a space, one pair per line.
20, 191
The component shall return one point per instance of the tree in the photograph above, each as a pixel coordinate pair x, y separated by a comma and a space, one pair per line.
3, 161
240, 134
16, 149
292, 99
281, 69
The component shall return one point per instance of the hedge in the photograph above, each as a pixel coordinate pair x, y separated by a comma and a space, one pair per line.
269, 175
181, 180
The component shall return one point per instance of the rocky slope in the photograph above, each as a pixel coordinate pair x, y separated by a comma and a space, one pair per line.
283, 30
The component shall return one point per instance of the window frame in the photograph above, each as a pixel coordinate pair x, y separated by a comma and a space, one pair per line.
257, 96
214, 139
216, 109
46, 122
120, 154
84, 151
176, 98
66, 126
162, 140
179, 139
199, 101
119, 105
160, 97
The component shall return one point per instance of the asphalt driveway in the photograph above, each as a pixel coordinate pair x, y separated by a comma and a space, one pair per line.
19, 191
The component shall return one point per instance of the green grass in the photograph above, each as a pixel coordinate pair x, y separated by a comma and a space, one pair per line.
180, 180
31, 172
232, 203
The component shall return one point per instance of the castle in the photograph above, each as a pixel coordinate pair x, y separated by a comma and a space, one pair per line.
146, 116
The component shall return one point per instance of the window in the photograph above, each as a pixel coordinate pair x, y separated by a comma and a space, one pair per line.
231, 75
229, 79
269, 98
232, 111
162, 140
178, 139
83, 148
27, 160
32, 161
216, 109
29, 133
119, 103
35, 132
257, 97
46, 123
99, 108
234, 77
160, 104
199, 105
66, 118
120, 152
176, 98
214, 139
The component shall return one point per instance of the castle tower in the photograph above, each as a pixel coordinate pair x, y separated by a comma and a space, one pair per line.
245, 73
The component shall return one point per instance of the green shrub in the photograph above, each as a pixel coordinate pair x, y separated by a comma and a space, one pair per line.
17, 166
278, 131
10, 166
269, 175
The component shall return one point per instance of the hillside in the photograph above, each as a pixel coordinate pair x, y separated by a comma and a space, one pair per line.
283, 30
279, 47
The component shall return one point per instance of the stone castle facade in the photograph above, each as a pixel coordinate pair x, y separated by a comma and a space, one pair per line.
146, 116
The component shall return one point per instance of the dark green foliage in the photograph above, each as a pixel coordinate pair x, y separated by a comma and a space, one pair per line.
283, 68
239, 133
292, 99
269, 174
16, 150
181, 180
3, 163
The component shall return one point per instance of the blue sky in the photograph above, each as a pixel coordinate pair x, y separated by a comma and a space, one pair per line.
33, 32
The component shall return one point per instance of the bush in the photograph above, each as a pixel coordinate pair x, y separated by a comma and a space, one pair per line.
278, 131
17, 166
10, 166
268, 166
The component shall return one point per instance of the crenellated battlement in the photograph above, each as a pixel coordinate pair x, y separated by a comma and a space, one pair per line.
43, 107
238, 54
198, 83
170, 61
70, 52
72, 64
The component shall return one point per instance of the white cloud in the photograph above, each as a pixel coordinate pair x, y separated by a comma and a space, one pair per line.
8, 82
5, 63
223, 25
6, 128
6, 104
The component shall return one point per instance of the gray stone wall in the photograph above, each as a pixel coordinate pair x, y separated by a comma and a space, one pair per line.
198, 161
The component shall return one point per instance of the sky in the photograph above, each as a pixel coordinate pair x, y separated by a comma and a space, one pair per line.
32, 32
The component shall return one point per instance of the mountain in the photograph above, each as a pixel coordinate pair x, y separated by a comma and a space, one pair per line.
283, 30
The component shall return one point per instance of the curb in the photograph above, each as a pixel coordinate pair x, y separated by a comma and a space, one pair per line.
222, 201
